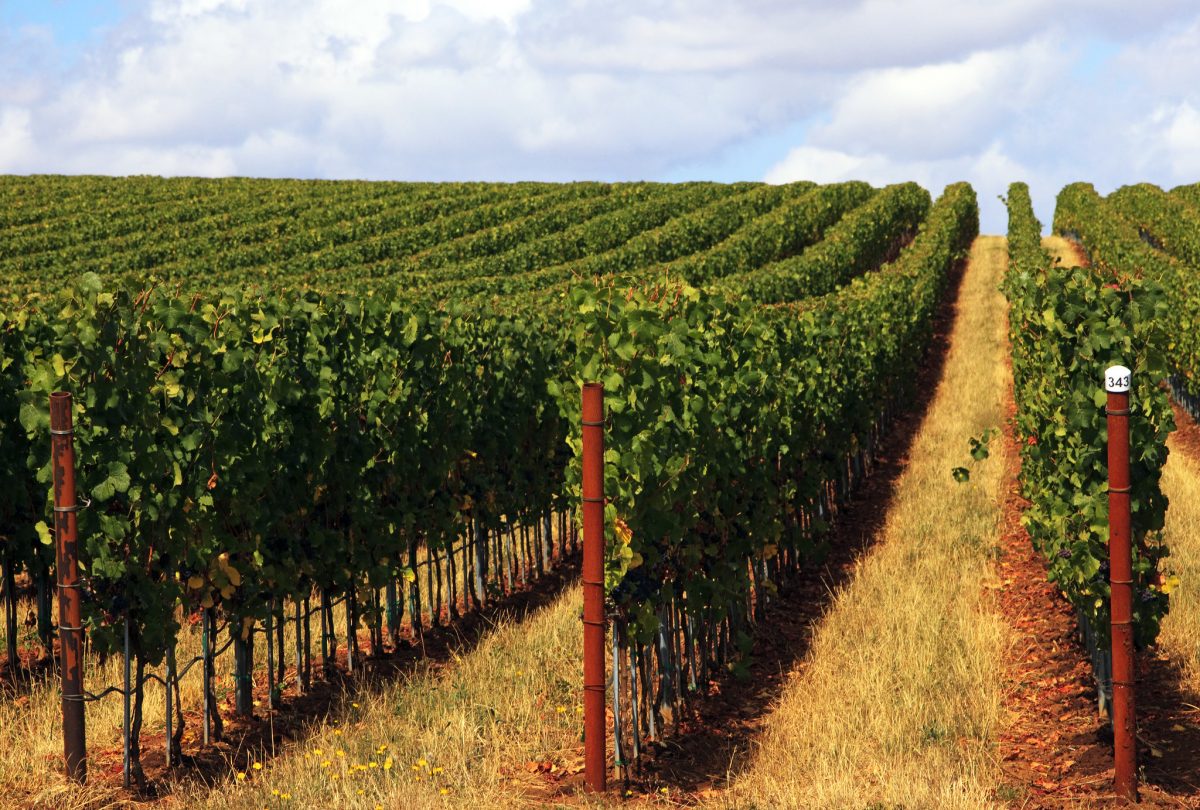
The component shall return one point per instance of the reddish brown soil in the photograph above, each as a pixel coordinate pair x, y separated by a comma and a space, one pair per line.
1056, 750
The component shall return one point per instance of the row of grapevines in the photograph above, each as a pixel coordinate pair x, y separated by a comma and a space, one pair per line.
239, 446
697, 229
123, 223
799, 223
366, 242
641, 208
858, 243
1188, 193
504, 337
1166, 221
224, 247
32, 201
774, 236
1116, 245
151, 242
763, 224
1066, 325
725, 417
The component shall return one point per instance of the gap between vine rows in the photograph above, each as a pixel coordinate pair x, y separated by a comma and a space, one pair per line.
1056, 750
716, 737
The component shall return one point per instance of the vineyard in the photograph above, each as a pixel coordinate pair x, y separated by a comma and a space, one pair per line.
357, 405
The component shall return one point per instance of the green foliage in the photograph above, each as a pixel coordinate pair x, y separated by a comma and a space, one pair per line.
1066, 326
333, 372
726, 418
979, 452
859, 242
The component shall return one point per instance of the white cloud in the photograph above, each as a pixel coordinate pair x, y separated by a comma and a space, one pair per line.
16, 139
989, 172
826, 166
1182, 138
942, 109
559, 89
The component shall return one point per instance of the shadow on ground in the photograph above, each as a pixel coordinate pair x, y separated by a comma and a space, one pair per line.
714, 740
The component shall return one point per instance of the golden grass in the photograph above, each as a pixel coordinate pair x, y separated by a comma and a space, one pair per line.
897, 703
1180, 636
31, 731
1062, 249
453, 736
899, 700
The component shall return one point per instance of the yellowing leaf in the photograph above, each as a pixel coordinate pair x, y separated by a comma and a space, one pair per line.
624, 533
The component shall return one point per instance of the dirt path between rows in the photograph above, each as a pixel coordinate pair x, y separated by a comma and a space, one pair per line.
1056, 749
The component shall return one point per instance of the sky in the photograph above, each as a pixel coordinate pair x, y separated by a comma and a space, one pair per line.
989, 91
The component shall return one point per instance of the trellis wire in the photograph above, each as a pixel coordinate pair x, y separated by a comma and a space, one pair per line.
440, 567
691, 645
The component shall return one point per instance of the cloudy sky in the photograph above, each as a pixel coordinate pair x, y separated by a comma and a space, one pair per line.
991, 91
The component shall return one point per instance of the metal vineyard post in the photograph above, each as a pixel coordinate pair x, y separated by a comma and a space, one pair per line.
70, 602
594, 741
1116, 383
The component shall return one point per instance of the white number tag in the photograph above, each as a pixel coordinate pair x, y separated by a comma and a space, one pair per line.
1117, 379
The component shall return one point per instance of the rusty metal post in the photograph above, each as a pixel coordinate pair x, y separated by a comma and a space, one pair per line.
70, 601
1120, 566
594, 741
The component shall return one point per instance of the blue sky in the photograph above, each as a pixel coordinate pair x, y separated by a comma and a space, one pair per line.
883, 90
72, 23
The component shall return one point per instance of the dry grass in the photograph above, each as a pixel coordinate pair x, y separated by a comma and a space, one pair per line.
31, 724
453, 736
899, 700
897, 703
31, 731
1180, 637
1061, 249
